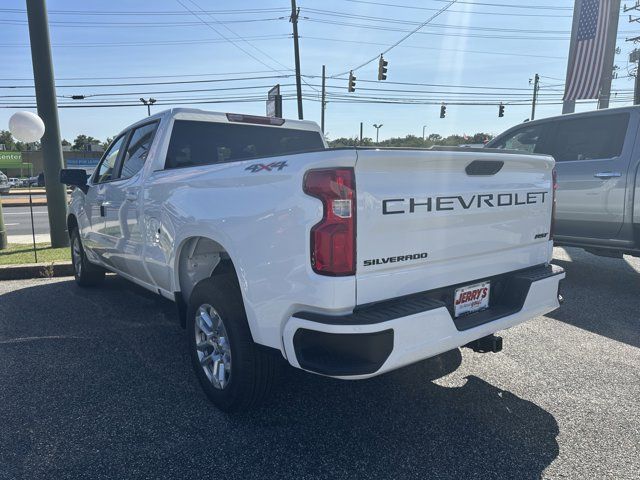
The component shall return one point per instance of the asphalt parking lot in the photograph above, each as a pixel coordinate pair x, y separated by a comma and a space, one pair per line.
98, 384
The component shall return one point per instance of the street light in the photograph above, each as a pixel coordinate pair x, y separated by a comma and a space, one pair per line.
148, 103
423, 127
377, 127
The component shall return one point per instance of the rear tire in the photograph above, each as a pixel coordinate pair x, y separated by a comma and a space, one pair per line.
85, 273
234, 372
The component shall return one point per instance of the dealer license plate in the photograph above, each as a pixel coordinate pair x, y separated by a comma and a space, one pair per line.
471, 298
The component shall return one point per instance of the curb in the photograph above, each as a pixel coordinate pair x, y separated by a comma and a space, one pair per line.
23, 204
36, 270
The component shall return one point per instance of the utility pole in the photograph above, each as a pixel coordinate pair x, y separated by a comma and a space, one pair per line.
360, 133
423, 127
634, 56
148, 103
48, 110
295, 12
324, 93
536, 87
377, 127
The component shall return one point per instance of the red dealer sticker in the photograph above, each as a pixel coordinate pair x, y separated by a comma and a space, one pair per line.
472, 298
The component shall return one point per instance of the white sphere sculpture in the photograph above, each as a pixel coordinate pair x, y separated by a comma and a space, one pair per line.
26, 127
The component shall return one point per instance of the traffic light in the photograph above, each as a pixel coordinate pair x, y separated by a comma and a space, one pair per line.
443, 110
382, 68
352, 82
501, 110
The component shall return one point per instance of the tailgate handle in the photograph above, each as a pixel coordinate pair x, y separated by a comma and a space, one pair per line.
484, 167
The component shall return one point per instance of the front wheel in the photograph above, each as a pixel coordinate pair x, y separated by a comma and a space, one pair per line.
234, 372
85, 273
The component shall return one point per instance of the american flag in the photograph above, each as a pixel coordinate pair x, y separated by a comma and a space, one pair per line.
585, 72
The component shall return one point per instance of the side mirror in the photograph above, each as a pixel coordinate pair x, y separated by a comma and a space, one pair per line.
75, 177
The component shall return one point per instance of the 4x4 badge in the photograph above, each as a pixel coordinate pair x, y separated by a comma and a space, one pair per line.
258, 167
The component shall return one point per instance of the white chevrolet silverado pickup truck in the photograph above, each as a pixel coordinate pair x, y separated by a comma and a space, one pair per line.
347, 262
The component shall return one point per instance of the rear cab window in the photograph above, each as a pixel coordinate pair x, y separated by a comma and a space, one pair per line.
195, 142
590, 138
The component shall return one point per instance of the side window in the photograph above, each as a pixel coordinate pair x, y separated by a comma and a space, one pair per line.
138, 149
590, 138
527, 139
105, 170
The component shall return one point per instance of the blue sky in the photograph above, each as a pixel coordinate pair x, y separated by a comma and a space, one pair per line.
497, 45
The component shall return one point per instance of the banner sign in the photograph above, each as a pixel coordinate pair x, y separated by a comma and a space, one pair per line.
590, 41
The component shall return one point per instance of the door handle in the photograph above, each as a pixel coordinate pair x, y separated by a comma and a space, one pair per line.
131, 196
606, 175
103, 212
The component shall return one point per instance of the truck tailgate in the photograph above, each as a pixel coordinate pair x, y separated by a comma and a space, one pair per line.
429, 219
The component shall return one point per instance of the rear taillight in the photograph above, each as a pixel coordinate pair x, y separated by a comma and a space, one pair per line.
333, 239
554, 176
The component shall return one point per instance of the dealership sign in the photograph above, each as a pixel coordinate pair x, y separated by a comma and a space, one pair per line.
274, 102
10, 159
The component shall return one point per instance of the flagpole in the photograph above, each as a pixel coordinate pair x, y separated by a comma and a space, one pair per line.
569, 106
609, 56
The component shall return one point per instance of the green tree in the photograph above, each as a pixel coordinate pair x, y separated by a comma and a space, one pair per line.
350, 142
411, 141
107, 142
82, 141
65, 142
8, 141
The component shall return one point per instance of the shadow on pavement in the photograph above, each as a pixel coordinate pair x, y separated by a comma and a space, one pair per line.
601, 296
98, 383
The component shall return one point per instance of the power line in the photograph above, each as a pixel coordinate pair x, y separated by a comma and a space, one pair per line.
218, 22
333, 13
176, 82
482, 52
432, 17
146, 76
223, 36
150, 43
312, 98
512, 5
440, 34
148, 12
473, 12
102, 24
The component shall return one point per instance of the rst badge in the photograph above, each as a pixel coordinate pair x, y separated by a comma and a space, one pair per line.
269, 167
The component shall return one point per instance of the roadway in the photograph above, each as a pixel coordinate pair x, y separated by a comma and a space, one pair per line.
97, 383
17, 220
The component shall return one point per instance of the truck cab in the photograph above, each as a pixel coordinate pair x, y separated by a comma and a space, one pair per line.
597, 157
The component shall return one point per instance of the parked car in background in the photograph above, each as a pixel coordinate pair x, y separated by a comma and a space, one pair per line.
598, 158
4, 183
14, 182
37, 181
249, 224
